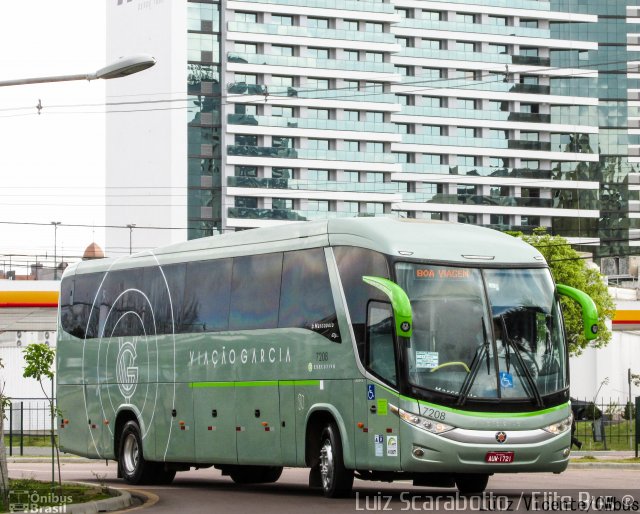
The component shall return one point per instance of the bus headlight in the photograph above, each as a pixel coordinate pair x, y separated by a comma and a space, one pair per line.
559, 427
435, 427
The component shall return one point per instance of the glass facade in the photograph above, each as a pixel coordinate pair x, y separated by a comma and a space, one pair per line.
524, 121
204, 131
613, 87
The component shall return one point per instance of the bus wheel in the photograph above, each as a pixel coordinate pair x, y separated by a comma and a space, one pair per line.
255, 474
131, 462
337, 481
472, 483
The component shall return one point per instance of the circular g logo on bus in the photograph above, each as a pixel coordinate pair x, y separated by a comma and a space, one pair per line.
126, 369
501, 437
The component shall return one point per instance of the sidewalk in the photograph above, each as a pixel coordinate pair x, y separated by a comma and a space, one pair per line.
604, 455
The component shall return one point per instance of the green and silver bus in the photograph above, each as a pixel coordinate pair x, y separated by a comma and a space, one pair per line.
374, 348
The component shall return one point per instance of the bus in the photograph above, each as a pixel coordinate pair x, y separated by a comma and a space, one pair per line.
370, 348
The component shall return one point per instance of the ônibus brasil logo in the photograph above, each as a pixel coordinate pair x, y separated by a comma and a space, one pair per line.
126, 369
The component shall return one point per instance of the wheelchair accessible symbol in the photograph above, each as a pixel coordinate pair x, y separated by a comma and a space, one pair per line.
371, 392
506, 380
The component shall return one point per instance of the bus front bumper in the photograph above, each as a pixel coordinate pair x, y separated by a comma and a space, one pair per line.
469, 451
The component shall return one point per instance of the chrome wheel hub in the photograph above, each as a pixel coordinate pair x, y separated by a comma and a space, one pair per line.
326, 464
131, 454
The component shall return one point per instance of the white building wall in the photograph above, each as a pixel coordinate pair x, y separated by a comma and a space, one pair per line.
594, 365
146, 140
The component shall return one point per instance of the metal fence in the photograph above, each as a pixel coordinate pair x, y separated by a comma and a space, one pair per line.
29, 424
604, 425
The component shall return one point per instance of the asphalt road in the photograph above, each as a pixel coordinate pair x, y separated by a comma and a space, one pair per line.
208, 491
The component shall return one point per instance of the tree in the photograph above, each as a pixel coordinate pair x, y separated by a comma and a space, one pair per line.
569, 268
39, 358
4, 472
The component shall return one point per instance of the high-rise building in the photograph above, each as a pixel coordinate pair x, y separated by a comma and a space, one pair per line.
506, 113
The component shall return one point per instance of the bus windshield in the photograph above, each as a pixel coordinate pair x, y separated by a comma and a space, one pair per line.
491, 333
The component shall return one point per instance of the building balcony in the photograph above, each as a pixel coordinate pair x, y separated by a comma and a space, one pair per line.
502, 201
311, 62
306, 153
317, 185
311, 123
375, 38
531, 60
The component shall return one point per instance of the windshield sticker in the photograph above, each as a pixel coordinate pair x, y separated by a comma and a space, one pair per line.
506, 380
392, 446
378, 440
426, 360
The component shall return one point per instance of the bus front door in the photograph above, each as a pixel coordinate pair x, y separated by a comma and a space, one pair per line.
383, 426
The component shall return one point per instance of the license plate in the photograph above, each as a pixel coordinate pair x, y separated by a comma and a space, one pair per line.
499, 457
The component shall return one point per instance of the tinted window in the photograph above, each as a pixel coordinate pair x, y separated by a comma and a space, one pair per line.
122, 304
207, 293
353, 264
306, 300
255, 292
165, 287
381, 358
66, 301
84, 320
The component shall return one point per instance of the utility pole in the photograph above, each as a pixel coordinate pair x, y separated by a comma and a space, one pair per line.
130, 226
630, 406
55, 248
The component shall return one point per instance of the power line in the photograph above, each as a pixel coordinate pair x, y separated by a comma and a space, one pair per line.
90, 226
494, 74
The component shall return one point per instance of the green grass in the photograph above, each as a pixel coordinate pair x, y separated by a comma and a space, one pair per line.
26, 490
617, 436
29, 440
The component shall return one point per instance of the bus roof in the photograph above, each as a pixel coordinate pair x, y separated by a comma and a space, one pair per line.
416, 239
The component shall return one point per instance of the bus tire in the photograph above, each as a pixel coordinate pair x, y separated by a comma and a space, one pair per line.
337, 481
471, 483
132, 465
255, 474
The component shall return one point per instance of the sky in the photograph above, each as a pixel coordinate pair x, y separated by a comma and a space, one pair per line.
52, 165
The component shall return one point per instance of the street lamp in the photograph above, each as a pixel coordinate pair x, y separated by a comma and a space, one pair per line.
130, 226
121, 68
55, 248
604, 437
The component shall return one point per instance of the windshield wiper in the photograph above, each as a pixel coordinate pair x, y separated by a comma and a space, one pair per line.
481, 352
516, 351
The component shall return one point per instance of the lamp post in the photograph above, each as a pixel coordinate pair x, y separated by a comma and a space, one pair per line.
604, 438
120, 68
55, 248
130, 226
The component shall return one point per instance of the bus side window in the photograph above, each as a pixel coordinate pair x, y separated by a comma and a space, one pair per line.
84, 312
66, 303
306, 300
380, 352
353, 263
255, 291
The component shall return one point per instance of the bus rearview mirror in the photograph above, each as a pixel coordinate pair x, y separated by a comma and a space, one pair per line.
399, 303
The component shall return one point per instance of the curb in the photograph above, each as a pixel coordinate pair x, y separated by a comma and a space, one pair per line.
602, 465
121, 501
63, 460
